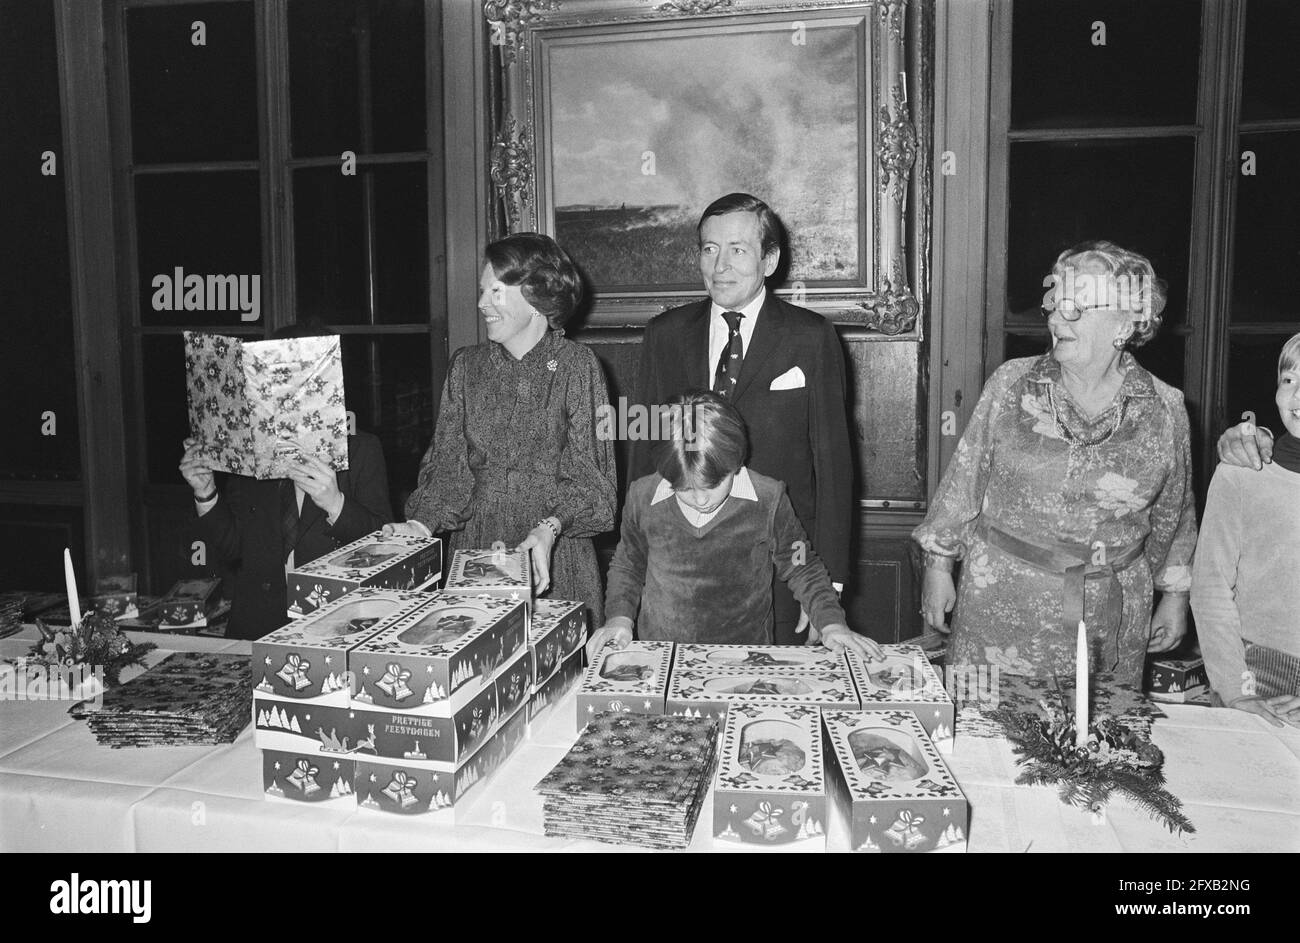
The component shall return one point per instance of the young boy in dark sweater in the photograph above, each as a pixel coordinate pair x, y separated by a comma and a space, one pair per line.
700, 538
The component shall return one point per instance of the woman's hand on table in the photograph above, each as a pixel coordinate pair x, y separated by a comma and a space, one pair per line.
405, 529
616, 632
1264, 708
539, 543
839, 637
195, 471
938, 596
1286, 706
1169, 624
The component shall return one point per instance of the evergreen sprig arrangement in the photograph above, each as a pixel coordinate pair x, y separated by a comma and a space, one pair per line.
1116, 760
97, 641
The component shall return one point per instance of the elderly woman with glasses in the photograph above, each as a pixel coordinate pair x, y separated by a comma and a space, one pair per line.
1069, 498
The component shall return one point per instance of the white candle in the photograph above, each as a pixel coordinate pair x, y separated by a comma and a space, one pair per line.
1081, 688
74, 604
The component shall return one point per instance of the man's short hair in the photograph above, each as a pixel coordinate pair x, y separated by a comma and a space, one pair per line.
707, 441
769, 223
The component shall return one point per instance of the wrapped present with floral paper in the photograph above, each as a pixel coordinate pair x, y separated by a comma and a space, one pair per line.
906, 681
558, 629
629, 680
434, 789
401, 561
896, 792
770, 787
295, 777
782, 658
696, 693
495, 572
307, 660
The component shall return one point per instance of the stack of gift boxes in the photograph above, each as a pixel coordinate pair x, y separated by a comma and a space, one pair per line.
397, 700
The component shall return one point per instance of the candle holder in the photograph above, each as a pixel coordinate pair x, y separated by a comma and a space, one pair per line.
97, 641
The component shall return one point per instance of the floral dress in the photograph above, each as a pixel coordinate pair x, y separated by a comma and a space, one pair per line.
1033, 478
515, 443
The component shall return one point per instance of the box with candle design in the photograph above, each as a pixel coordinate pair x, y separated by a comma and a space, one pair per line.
696, 693
632, 679
783, 658
434, 789
542, 703
558, 629
892, 784
497, 572
307, 660
434, 660
906, 681
770, 787
327, 781
402, 561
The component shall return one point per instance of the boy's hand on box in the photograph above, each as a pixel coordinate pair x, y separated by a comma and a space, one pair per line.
405, 528
616, 632
838, 638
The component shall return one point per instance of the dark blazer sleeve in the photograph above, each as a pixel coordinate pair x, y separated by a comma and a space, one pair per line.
366, 506
832, 456
219, 529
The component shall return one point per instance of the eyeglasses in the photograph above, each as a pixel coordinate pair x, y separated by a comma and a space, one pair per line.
1071, 311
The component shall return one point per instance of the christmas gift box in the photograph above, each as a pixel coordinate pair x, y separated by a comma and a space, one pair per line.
117, 596
710, 693
419, 737
894, 787
543, 701
770, 788
305, 777
557, 630
308, 658
499, 572
632, 679
784, 658
189, 603
434, 789
285, 723
434, 660
402, 561
1177, 680
906, 681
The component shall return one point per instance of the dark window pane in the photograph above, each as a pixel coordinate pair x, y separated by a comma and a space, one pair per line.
332, 213
166, 419
193, 102
32, 539
207, 225
1145, 74
389, 382
1271, 88
1163, 356
1134, 193
1266, 256
39, 374
1025, 345
356, 73
1252, 380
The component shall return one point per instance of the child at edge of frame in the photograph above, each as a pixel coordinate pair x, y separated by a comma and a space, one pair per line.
1245, 594
700, 538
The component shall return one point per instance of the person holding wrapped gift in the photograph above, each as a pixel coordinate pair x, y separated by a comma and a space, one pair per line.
1244, 589
701, 539
515, 456
1069, 497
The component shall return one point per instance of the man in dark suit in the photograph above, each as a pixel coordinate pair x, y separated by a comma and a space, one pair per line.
780, 365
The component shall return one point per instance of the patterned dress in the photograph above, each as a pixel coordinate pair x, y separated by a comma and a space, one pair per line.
515, 443
1033, 475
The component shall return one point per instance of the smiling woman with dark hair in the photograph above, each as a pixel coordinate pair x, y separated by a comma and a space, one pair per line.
1069, 498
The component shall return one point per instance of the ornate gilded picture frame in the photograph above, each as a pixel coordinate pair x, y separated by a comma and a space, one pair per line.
617, 121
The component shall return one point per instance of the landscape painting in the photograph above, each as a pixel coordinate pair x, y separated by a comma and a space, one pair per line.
647, 128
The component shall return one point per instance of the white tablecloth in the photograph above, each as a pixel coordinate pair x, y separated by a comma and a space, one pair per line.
1238, 777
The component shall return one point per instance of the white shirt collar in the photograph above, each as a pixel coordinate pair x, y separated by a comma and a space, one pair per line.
742, 487
750, 311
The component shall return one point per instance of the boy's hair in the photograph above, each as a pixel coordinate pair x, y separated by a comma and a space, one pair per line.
1290, 358
706, 443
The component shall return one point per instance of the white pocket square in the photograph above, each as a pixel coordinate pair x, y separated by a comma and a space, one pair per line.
792, 379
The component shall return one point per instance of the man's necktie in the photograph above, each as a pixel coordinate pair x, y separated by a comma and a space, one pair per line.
289, 518
728, 372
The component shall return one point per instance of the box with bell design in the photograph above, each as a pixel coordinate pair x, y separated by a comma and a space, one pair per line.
558, 629
542, 703
307, 660
434, 789
783, 658
498, 572
434, 660
402, 561
696, 693
632, 679
893, 786
288, 776
770, 787
906, 681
